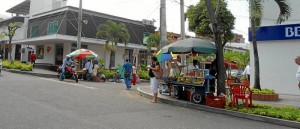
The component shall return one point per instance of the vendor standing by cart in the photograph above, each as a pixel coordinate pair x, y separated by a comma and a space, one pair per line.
154, 67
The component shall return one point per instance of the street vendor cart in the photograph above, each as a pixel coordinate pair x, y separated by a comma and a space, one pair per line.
195, 83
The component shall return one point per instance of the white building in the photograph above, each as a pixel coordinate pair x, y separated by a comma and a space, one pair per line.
278, 45
49, 28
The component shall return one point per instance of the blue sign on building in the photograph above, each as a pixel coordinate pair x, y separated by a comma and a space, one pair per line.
279, 32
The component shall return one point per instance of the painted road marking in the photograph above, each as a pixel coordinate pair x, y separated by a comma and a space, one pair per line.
79, 85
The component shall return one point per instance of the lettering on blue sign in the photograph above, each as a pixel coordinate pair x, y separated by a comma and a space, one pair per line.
292, 31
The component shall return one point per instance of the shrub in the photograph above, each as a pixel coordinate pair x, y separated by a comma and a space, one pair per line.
281, 112
108, 73
26, 67
263, 91
143, 67
16, 65
143, 74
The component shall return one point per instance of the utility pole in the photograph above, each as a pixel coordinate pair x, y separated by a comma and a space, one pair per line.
182, 32
163, 24
79, 25
163, 30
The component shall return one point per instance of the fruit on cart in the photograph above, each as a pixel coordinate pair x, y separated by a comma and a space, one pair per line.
188, 80
187, 74
197, 74
181, 79
198, 81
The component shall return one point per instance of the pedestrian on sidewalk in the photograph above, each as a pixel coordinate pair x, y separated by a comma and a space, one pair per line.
96, 66
128, 71
247, 72
154, 67
134, 71
297, 61
89, 70
32, 58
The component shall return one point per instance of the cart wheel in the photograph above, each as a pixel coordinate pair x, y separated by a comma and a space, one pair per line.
197, 98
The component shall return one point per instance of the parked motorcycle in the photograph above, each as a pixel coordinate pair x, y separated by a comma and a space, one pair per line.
70, 73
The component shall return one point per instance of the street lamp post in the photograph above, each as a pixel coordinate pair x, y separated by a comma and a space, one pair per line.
79, 25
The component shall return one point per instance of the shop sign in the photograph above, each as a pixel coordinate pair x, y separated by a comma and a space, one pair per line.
279, 32
8, 45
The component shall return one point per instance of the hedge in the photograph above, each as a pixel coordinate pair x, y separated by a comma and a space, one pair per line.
16, 65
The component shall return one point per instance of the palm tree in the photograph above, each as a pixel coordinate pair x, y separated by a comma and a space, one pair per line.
114, 33
255, 19
153, 41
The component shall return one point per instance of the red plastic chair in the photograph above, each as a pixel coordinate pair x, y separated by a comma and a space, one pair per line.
241, 92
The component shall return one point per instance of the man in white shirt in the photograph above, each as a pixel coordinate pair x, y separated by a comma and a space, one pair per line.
297, 61
247, 72
89, 68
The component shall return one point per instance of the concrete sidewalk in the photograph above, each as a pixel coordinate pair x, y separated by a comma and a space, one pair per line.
285, 100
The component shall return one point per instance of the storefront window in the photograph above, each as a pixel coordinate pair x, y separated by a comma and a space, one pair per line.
40, 52
52, 28
34, 31
129, 55
143, 57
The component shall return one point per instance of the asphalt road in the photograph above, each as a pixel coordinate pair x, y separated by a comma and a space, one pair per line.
28, 102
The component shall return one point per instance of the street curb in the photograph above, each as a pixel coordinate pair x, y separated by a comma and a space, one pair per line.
254, 117
32, 74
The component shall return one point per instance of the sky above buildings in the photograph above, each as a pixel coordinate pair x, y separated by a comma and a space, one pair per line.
149, 9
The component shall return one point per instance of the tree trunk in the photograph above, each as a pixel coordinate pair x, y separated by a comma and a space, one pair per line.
220, 61
10, 48
219, 47
110, 59
256, 58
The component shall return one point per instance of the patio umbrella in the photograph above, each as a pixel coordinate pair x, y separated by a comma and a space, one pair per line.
83, 54
191, 45
162, 57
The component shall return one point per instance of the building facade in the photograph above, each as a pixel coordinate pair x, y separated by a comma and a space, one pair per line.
278, 46
52, 33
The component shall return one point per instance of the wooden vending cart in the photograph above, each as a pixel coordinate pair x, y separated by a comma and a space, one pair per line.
194, 85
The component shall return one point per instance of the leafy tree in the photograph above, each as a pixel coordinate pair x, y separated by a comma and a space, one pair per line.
255, 20
12, 28
113, 33
153, 41
199, 20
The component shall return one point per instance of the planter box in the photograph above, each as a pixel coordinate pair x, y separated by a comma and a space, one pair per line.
265, 97
215, 101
